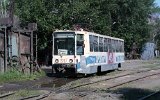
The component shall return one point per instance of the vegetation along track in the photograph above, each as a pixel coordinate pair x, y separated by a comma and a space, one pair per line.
4, 95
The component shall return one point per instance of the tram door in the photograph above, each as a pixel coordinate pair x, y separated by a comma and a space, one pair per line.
80, 49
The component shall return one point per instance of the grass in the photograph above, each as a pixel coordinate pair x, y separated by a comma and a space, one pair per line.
152, 66
158, 58
13, 75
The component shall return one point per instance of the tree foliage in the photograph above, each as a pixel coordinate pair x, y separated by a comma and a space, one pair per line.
127, 19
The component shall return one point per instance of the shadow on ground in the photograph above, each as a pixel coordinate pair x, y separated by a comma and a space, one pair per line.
52, 74
134, 94
57, 79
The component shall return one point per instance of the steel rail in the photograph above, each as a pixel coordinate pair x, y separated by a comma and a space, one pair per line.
29, 97
6, 94
37, 97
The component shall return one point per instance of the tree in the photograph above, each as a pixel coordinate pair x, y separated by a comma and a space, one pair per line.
3, 8
127, 19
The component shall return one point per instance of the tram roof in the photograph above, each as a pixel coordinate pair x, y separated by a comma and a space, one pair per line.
91, 33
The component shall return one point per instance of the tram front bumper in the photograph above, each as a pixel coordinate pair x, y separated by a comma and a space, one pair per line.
64, 68
64, 65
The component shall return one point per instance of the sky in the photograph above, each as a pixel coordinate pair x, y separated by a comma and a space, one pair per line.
157, 2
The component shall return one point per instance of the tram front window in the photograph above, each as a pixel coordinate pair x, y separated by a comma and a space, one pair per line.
64, 43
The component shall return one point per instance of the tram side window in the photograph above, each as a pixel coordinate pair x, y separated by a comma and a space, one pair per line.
95, 43
100, 44
112, 45
117, 46
121, 46
109, 45
91, 43
105, 45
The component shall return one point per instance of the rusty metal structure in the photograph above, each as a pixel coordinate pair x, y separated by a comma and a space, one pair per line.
17, 48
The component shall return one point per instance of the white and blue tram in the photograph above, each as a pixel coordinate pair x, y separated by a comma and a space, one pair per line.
86, 52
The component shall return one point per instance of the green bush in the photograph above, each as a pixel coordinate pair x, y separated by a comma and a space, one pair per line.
15, 75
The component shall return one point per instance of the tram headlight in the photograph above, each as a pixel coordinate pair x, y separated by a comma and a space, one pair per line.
56, 61
70, 61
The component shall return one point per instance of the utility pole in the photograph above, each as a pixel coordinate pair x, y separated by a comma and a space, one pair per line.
5, 50
9, 24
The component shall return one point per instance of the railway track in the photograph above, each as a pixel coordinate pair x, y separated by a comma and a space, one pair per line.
106, 79
60, 90
33, 97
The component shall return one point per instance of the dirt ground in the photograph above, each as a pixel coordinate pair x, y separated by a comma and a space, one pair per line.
98, 91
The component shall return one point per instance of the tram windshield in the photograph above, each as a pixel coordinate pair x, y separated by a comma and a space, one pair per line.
64, 43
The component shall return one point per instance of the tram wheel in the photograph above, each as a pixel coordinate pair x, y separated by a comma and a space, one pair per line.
56, 70
119, 65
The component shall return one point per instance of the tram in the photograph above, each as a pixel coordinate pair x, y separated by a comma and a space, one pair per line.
86, 52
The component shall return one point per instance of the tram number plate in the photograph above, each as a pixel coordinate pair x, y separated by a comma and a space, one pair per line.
62, 60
